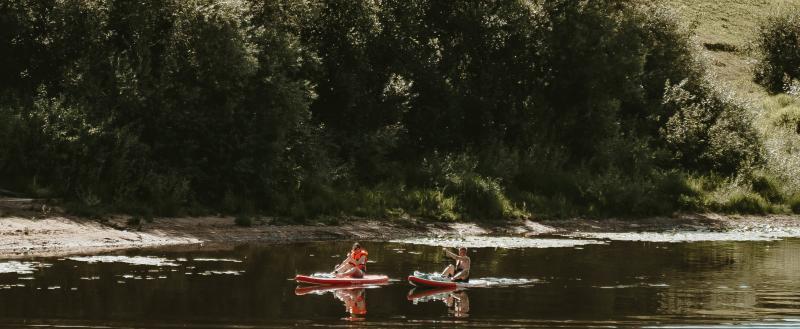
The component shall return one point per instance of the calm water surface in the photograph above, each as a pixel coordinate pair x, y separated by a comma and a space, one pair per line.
620, 284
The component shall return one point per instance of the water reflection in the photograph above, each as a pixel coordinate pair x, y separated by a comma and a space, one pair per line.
456, 299
353, 298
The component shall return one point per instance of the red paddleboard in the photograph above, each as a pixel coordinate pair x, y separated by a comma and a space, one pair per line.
367, 279
421, 282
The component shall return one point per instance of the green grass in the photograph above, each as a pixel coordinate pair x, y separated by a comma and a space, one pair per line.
725, 31
746, 203
734, 23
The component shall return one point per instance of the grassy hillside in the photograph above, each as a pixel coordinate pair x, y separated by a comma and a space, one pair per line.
724, 32
722, 23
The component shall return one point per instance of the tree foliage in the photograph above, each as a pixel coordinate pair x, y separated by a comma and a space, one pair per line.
778, 41
282, 105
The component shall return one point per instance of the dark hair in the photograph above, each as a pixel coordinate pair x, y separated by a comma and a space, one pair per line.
356, 246
462, 248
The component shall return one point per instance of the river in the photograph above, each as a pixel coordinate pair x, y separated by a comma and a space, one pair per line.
620, 284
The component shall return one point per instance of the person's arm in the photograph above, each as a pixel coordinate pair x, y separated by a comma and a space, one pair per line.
450, 254
343, 265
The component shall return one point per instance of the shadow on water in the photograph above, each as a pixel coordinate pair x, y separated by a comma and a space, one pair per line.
616, 284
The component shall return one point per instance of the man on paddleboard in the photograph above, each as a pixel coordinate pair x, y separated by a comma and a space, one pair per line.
355, 265
460, 271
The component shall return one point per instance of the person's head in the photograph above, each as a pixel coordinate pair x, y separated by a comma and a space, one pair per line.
356, 246
462, 251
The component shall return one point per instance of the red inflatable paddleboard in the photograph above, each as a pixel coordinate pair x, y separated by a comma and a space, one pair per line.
423, 282
367, 279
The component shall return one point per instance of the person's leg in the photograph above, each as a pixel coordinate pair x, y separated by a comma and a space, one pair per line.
460, 276
449, 270
340, 270
344, 271
353, 272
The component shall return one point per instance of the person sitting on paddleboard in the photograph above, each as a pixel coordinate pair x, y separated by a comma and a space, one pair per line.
355, 265
460, 271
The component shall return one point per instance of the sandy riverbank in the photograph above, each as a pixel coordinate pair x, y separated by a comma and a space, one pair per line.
28, 229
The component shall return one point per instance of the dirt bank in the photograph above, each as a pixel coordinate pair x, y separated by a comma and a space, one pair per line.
29, 228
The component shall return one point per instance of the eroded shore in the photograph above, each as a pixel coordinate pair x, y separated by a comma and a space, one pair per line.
28, 229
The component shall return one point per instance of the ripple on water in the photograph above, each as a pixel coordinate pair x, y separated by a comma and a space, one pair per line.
133, 260
636, 285
499, 242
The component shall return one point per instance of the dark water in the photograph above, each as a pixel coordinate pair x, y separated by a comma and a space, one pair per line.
621, 284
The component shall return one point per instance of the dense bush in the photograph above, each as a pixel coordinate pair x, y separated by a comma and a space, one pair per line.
164, 102
432, 204
708, 132
482, 198
243, 221
778, 41
745, 203
439, 109
768, 188
794, 203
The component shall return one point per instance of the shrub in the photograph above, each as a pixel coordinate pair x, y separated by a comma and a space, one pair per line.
618, 193
709, 131
482, 198
540, 206
767, 186
783, 111
779, 43
167, 193
432, 204
674, 192
134, 221
243, 221
794, 203
745, 203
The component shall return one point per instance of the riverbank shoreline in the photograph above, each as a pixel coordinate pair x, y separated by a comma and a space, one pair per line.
29, 229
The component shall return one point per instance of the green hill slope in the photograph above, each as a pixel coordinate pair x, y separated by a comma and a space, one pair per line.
725, 31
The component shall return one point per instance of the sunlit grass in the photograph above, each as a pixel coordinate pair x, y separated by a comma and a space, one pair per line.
734, 23
725, 31
778, 120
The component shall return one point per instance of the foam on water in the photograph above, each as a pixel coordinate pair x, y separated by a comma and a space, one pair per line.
691, 236
499, 242
216, 260
20, 267
132, 260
